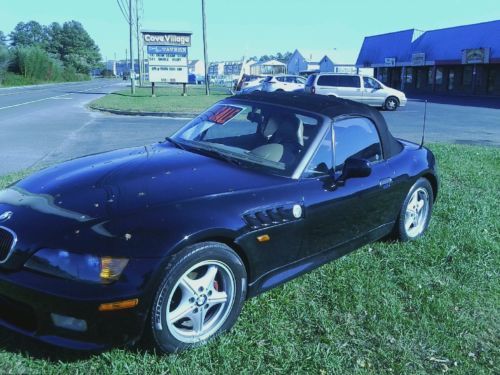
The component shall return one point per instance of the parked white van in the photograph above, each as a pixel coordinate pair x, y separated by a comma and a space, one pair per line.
356, 87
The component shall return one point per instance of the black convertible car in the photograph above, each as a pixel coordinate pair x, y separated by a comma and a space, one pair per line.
167, 241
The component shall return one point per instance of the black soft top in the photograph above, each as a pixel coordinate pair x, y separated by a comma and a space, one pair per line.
331, 107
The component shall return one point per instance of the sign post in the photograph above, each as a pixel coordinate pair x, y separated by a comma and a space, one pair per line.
168, 57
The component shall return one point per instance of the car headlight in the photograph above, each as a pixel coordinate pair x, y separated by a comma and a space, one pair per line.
84, 267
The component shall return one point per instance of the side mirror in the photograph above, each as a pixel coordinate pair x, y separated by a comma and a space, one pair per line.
355, 167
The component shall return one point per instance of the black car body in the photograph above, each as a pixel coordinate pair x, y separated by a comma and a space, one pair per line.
145, 204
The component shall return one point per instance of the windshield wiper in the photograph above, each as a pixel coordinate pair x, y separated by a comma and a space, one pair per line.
175, 143
221, 155
246, 160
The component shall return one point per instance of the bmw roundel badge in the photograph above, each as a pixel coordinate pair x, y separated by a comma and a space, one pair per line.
6, 216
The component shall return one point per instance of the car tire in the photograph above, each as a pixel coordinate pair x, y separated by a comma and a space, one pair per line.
416, 211
186, 311
391, 103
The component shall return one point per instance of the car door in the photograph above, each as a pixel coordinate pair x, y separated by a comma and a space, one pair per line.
298, 83
327, 85
358, 208
282, 83
350, 87
373, 93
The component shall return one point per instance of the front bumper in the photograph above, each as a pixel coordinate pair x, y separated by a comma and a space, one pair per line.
27, 300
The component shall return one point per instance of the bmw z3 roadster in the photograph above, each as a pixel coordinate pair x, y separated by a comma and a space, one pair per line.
167, 241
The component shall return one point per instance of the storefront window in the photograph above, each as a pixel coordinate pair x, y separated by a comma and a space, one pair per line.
430, 76
493, 81
421, 74
382, 75
467, 78
409, 75
439, 76
451, 80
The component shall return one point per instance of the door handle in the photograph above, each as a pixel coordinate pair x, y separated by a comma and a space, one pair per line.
385, 182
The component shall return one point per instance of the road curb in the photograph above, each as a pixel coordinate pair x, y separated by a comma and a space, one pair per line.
140, 113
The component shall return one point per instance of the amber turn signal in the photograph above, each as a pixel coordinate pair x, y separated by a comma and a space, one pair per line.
263, 238
120, 305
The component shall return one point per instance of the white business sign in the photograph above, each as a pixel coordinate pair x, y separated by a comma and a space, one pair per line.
418, 59
167, 56
168, 74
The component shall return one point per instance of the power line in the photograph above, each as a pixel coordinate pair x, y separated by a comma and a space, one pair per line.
122, 9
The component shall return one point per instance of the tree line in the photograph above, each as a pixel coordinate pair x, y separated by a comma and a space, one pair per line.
281, 57
37, 53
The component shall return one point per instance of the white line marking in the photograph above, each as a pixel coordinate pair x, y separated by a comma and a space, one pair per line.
31, 101
51, 97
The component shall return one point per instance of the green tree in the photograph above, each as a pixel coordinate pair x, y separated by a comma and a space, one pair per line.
283, 57
4, 61
29, 34
75, 47
54, 33
3, 39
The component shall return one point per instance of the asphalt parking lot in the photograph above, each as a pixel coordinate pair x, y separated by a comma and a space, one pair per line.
45, 125
456, 121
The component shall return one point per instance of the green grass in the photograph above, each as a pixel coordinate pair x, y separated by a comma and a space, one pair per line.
168, 99
429, 306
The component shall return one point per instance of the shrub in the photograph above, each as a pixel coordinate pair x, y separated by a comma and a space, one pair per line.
4, 61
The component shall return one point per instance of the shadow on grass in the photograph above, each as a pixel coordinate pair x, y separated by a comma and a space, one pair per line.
16, 343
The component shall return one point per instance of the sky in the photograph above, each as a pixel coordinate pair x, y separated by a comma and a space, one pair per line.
238, 28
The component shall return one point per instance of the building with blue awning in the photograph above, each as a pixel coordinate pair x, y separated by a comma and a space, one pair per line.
462, 60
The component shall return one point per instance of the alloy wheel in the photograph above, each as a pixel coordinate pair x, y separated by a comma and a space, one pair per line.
200, 301
416, 212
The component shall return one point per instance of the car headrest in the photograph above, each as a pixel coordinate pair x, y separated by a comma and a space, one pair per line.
271, 127
290, 129
255, 117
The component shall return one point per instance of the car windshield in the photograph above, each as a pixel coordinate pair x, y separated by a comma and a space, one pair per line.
258, 136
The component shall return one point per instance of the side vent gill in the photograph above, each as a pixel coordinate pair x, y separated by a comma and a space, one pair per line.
268, 217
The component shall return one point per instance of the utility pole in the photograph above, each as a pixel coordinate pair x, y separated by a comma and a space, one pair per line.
207, 82
138, 41
132, 70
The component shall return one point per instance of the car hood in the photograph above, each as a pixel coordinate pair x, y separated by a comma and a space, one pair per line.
122, 181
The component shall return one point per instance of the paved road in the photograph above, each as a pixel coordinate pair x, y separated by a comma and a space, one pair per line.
47, 124
450, 123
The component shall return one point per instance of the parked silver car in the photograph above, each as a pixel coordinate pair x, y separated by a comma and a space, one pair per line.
283, 83
356, 87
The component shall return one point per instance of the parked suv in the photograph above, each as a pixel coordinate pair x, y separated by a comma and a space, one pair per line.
249, 83
283, 83
356, 87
